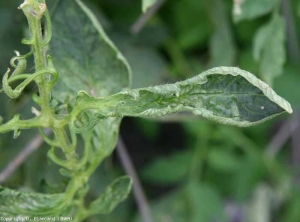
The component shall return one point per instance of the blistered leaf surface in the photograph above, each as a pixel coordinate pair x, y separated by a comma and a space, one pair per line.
14, 203
223, 94
112, 196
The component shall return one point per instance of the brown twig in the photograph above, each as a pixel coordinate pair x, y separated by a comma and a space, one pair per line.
143, 19
33, 145
139, 194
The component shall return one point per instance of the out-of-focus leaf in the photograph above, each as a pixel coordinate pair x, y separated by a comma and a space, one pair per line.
147, 4
10, 37
288, 83
149, 128
112, 196
244, 32
292, 213
247, 62
153, 35
222, 49
170, 169
199, 127
259, 207
282, 191
223, 160
193, 203
250, 9
249, 174
148, 66
14, 203
269, 48
7, 17
83, 54
205, 202
223, 94
191, 24
221, 44
171, 207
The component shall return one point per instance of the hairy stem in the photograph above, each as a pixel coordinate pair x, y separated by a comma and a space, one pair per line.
34, 11
34, 15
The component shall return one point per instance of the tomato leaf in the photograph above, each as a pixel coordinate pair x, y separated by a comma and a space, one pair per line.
224, 94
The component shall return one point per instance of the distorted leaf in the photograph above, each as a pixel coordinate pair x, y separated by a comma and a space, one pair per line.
112, 196
250, 9
269, 48
15, 203
223, 94
170, 169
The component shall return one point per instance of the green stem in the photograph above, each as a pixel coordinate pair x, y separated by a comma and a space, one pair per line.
38, 46
78, 170
17, 124
34, 10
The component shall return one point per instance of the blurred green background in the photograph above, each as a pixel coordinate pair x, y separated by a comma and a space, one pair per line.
192, 170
